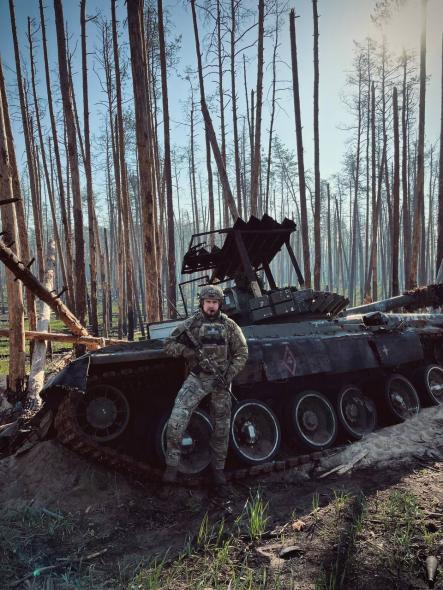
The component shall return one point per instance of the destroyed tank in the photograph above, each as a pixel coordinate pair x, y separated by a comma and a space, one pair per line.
318, 373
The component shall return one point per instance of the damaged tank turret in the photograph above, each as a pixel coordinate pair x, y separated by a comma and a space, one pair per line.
317, 372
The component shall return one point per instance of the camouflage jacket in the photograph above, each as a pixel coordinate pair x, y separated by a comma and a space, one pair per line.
220, 339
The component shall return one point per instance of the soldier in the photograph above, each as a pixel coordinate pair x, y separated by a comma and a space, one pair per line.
222, 349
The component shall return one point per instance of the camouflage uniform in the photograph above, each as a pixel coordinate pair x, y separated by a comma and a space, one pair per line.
223, 342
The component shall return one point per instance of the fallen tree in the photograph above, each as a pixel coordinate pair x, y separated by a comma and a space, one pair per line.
22, 272
90, 342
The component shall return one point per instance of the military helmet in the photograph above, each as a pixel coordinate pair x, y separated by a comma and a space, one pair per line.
211, 292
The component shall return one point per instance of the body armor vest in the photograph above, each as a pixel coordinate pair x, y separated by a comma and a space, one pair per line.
213, 340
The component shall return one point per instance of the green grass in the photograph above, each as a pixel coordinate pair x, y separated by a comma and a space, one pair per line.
218, 558
30, 539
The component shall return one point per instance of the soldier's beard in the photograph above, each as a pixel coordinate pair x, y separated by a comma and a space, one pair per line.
211, 312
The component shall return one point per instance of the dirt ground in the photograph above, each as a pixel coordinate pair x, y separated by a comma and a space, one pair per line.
371, 527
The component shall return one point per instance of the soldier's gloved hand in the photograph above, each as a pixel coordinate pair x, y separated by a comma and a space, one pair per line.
206, 365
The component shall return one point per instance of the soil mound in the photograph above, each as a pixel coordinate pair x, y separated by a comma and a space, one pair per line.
50, 475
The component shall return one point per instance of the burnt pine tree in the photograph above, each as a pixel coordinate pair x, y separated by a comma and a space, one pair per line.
256, 162
17, 354
172, 287
395, 199
19, 207
209, 126
300, 157
317, 189
88, 174
125, 207
419, 199
28, 143
142, 129
440, 178
61, 184
68, 111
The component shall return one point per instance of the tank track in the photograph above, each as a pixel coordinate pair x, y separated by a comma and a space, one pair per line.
71, 436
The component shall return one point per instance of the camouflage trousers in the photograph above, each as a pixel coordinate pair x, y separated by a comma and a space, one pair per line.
193, 390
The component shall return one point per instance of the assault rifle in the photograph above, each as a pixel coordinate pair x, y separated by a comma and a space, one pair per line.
219, 377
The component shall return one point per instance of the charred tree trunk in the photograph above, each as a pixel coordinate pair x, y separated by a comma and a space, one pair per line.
372, 269
123, 176
440, 179
28, 141
234, 110
209, 126
172, 286
317, 210
80, 280
419, 198
300, 156
396, 200
140, 86
88, 173
404, 172
271, 126
259, 103
44, 159
19, 206
17, 354
61, 186
354, 229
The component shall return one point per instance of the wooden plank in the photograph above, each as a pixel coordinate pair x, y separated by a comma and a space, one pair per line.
88, 341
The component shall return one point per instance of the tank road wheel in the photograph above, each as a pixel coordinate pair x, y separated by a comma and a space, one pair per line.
429, 380
356, 412
255, 432
312, 421
195, 449
103, 413
402, 398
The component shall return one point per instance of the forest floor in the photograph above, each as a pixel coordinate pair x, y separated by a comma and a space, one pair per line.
67, 523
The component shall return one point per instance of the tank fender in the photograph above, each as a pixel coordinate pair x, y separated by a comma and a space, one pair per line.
72, 378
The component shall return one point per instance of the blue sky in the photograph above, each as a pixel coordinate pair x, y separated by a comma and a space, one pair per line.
341, 22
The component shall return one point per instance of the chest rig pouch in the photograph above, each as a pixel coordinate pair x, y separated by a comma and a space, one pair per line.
213, 340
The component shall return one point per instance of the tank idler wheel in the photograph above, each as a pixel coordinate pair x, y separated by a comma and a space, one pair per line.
103, 412
356, 412
401, 397
195, 450
312, 420
255, 432
429, 381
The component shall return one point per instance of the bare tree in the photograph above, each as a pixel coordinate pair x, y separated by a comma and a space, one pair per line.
317, 190
440, 182
88, 173
396, 199
140, 84
172, 287
300, 156
17, 354
208, 123
61, 185
65, 87
123, 175
234, 7
28, 143
255, 172
419, 199
19, 207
